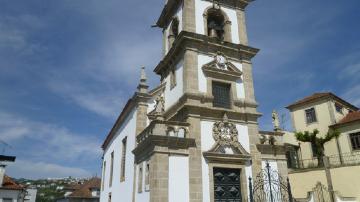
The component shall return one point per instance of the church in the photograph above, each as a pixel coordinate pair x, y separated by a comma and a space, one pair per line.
194, 137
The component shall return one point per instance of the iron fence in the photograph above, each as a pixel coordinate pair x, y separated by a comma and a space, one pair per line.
345, 159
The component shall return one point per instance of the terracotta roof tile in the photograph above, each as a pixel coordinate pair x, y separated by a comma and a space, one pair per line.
350, 117
85, 190
8, 183
317, 96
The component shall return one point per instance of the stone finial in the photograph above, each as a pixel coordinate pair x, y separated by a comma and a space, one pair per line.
225, 118
142, 87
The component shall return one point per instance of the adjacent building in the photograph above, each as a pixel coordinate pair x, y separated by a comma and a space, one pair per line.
10, 191
326, 112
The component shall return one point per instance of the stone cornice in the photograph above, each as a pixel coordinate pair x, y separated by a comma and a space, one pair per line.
200, 103
203, 43
138, 98
149, 145
172, 5
215, 157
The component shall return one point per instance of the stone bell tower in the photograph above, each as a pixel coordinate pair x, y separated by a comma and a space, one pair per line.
200, 144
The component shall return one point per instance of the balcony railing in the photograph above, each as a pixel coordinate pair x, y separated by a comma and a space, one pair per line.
165, 128
345, 159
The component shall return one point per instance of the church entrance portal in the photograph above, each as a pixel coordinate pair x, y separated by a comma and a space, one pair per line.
227, 185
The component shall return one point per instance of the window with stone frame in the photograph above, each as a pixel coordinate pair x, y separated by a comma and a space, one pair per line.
109, 197
103, 176
310, 115
221, 93
339, 108
111, 169
147, 177
123, 160
355, 140
172, 77
140, 178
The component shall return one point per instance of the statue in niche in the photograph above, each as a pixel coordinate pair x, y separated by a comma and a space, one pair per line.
160, 105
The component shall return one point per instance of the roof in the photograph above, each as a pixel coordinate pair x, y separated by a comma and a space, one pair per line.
349, 118
8, 183
73, 186
85, 190
318, 96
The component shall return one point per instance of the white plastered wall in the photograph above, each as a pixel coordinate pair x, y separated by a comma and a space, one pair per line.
144, 195
173, 95
9, 194
120, 191
207, 141
179, 179
201, 6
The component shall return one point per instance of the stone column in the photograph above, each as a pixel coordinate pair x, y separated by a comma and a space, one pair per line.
255, 154
248, 81
159, 178
195, 157
189, 16
242, 27
190, 71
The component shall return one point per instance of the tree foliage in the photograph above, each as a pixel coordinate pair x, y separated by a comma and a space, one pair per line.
317, 142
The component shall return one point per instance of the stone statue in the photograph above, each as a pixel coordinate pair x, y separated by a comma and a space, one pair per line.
159, 107
275, 120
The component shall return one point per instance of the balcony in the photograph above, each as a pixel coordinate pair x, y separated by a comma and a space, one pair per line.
163, 136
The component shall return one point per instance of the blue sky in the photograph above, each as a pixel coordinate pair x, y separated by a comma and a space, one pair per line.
67, 67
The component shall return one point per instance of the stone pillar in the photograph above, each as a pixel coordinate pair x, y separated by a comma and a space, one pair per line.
190, 71
255, 154
141, 117
189, 16
159, 178
195, 158
248, 81
242, 27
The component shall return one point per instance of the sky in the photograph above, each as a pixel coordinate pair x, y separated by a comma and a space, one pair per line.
67, 68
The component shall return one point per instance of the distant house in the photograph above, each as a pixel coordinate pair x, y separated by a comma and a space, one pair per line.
10, 191
87, 192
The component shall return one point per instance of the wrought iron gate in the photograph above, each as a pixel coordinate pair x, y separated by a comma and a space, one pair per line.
227, 185
268, 186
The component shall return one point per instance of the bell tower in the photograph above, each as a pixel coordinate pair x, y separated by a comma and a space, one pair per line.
206, 72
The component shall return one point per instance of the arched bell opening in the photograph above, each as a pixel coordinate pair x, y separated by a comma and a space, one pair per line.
173, 31
217, 24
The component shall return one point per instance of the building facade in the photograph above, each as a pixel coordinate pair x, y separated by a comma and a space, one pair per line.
194, 137
326, 112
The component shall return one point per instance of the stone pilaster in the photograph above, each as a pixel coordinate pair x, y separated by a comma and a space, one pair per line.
189, 16
195, 157
141, 117
242, 27
248, 81
255, 154
159, 177
190, 80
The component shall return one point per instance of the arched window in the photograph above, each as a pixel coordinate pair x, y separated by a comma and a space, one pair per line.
215, 23
173, 31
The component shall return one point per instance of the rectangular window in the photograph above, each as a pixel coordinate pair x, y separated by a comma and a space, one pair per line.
310, 115
103, 177
338, 108
172, 78
147, 177
111, 169
221, 93
123, 160
355, 141
140, 178
313, 149
7, 200
109, 200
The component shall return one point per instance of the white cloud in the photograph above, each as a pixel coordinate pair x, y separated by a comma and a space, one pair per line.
353, 94
36, 170
48, 141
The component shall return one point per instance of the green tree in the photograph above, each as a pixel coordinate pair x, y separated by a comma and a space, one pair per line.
317, 142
